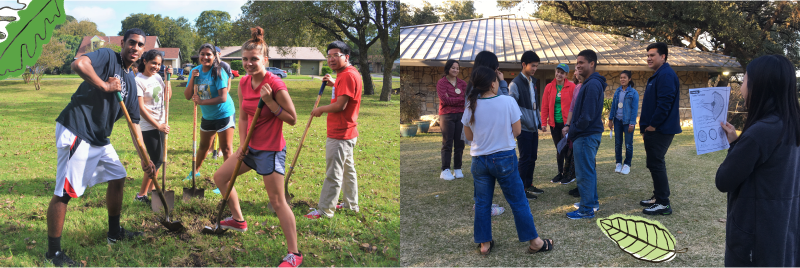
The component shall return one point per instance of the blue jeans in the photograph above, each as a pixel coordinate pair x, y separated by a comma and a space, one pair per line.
584, 150
619, 130
500, 166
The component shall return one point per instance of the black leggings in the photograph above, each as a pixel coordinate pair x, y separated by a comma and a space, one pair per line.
557, 136
451, 133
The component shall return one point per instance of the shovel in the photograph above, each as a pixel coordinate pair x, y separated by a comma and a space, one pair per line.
189, 193
223, 203
286, 193
169, 195
172, 226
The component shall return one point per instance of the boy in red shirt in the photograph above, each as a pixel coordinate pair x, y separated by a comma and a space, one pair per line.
342, 133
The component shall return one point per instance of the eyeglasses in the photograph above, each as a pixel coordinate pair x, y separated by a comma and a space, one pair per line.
335, 56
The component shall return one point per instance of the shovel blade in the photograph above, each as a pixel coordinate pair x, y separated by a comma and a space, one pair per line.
215, 231
174, 226
155, 201
189, 193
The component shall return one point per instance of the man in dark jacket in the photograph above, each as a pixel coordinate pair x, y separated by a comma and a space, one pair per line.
585, 131
658, 124
523, 89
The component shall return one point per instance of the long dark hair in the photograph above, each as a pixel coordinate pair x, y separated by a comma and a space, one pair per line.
215, 69
630, 78
486, 59
772, 88
449, 65
481, 79
148, 56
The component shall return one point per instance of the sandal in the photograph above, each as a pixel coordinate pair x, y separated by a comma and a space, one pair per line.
547, 246
491, 245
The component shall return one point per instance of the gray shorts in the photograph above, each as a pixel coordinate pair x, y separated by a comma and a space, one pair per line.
266, 162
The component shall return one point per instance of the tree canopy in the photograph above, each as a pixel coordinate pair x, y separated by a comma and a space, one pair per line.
213, 26
744, 30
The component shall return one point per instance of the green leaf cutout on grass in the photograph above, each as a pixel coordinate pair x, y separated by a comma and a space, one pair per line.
643, 239
25, 36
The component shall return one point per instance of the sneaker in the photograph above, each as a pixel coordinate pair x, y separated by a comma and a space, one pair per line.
618, 168
575, 192
458, 174
341, 206
557, 178
230, 224
576, 215
291, 260
189, 177
530, 195
314, 214
535, 190
577, 205
567, 180
625, 169
446, 175
658, 209
143, 199
123, 235
60, 259
496, 209
648, 202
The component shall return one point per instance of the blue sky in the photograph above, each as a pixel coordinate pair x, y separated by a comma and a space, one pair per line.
109, 14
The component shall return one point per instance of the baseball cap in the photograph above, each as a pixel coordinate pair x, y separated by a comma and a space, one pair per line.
563, 67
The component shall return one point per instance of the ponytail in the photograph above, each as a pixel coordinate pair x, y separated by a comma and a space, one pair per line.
481, 80
256, 41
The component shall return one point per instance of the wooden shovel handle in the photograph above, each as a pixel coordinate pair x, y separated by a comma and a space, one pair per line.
242, 148
303, 139
142, 151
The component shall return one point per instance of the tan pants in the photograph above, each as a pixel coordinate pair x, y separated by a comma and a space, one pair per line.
340, 174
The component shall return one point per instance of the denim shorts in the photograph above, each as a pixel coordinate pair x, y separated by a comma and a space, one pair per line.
266, 162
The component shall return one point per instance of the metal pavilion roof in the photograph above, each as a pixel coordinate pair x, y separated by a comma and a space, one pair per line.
508, 38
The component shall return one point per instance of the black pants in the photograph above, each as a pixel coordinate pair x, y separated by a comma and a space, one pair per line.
569, 161
557, 136
528, 143
655, 146
451, 133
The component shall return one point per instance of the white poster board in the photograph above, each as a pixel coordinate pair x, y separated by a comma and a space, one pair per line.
709, 108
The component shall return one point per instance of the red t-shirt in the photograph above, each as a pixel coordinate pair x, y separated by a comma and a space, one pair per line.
268, 135
342, 125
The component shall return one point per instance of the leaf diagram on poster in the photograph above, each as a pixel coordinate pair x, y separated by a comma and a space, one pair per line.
709, 108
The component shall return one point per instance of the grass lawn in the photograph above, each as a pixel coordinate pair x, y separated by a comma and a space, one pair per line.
28, 161
438, 219
297, 76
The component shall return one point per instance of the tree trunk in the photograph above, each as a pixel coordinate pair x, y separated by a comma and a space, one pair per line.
388, 59
363, 64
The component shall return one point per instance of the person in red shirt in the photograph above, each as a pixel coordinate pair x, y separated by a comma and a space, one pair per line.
342, 133
266, 152
451, 92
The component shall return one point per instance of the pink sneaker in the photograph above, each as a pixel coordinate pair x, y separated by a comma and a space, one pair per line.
313, 215
230, 224
291, 260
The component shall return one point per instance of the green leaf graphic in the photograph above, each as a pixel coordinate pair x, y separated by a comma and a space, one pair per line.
643, 239
23, 45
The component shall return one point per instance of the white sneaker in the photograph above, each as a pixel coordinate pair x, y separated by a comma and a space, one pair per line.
446, 175
458, 174
619, 168
625, 169
578, 205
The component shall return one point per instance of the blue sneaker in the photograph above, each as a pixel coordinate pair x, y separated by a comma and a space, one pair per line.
216, 191
575, 215
189, 177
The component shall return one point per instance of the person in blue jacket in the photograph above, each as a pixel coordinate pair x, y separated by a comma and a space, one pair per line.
658, 124
585, 131
622, 120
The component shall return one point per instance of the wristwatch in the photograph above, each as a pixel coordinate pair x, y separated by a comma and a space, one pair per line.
566, 125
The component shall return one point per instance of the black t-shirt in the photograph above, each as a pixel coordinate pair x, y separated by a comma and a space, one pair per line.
91, 113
